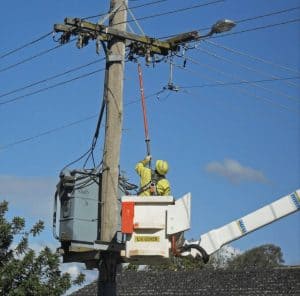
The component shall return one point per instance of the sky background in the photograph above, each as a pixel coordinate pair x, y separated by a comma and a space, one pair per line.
234, 147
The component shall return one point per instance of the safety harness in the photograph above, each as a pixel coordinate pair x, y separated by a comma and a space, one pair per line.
152, 185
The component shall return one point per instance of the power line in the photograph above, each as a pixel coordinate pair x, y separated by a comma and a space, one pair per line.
252, 57
239, 88
50, 78
220, 83
47, 132
49, 87
249, 69
241, 21
67, 125
25, 45
162, 14
30, 58
33, 57
240, 82
267, 14
173, 11
147, 17
133, 7
257, 28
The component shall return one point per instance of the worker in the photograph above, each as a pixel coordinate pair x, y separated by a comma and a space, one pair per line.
153, 182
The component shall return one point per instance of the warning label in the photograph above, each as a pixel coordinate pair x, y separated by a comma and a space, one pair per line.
146, 239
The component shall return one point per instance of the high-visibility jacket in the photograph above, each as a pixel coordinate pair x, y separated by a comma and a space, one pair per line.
162, 186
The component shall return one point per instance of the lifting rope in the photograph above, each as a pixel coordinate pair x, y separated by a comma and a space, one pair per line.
147, 139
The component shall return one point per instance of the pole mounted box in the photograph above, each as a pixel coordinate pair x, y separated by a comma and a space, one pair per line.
78, 194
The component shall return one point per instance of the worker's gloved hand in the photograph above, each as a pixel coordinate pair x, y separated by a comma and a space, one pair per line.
147, 159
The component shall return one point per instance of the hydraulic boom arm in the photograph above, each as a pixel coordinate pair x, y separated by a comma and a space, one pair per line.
213, 240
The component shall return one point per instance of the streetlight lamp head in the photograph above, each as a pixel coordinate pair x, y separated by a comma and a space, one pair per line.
222, 26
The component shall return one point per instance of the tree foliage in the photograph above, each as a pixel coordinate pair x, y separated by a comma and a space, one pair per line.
265, 256
22, 271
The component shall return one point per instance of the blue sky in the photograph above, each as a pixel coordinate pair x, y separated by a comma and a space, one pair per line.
234, 147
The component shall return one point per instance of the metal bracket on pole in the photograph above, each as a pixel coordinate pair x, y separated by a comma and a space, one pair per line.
113, 58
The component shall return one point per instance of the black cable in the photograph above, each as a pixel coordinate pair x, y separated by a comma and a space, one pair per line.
204, 255
266, 99
241, 21
133, 7
257, 28
239, 82
268, 14
260, 72
90, 180
243, 31
142, 18
50, 78
127, 104
50, 87
32, 57
262, 60
78, 159
25, 45
96, 134
101, 113
171, 12
64, 127
47, 132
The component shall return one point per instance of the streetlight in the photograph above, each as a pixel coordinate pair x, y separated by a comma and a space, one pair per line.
220, 26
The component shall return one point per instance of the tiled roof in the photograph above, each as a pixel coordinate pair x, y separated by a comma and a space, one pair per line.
252, 282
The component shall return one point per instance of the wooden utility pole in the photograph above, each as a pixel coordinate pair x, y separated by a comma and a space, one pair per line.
113, 94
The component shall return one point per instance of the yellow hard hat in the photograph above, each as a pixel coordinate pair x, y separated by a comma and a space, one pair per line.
162, 167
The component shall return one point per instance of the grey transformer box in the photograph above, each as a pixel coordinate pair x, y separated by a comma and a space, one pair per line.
77, 204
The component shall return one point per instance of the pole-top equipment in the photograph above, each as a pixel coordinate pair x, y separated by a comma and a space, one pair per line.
222, 26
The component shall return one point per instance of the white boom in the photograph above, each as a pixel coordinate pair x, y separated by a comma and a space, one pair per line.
213, 240
154, 227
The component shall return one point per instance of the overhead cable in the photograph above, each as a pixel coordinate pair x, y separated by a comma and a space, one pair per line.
32, 57
96, 134
218, 83
133, 7
239, 82
256, 28
252, 56
230, 61
50, 78
267, 14
241, 21
50, 87
173, 11
50, 131
241, 89
67, 125
24, 45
